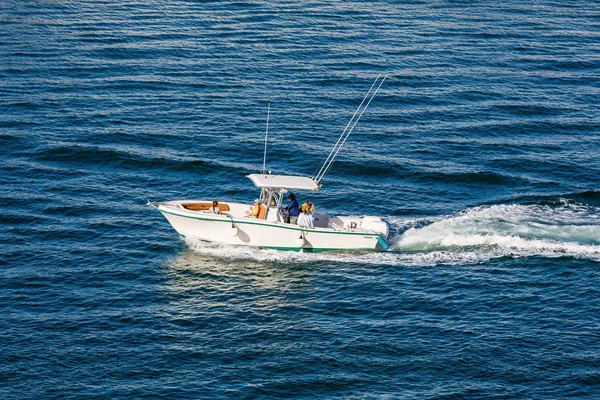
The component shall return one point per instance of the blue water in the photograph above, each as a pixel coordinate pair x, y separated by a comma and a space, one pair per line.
481, 151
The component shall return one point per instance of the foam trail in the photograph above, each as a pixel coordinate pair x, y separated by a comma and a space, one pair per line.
511, 230
472, 236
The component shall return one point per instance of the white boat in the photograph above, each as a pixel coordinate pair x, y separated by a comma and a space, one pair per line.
191, 220
268, 229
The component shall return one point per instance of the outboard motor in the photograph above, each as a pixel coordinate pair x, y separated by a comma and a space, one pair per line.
375, 224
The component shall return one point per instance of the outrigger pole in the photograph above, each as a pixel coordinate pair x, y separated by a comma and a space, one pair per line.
351, 124
264, 168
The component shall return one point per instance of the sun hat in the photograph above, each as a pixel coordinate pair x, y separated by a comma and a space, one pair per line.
256, 200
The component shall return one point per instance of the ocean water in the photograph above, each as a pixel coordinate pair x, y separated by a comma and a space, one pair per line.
481, 152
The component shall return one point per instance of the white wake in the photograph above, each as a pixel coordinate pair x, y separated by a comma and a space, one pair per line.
510, 230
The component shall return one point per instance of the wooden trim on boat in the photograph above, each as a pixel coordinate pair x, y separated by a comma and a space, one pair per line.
204, 206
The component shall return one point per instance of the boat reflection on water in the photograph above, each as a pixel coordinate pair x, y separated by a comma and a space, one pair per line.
207, 282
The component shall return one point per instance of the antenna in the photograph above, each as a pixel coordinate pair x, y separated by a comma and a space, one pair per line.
264, 168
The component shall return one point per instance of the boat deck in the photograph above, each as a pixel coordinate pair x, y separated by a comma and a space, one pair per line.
237, 210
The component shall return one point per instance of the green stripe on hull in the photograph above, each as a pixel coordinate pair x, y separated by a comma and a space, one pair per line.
311, 249
298, 229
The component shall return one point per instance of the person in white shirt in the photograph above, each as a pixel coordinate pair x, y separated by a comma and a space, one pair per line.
215, 208
305, 219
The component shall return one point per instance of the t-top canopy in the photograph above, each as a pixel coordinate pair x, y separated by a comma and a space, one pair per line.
283, 182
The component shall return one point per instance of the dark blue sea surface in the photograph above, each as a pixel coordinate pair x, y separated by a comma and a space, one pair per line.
481, 151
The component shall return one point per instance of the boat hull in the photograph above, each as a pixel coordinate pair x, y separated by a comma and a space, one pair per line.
268, 234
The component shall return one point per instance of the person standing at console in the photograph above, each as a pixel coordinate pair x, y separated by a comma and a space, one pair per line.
293, 209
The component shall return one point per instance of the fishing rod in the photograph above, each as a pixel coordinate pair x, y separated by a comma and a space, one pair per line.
362, 107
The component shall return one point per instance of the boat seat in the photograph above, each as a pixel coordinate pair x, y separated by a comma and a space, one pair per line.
204, 206
262, 212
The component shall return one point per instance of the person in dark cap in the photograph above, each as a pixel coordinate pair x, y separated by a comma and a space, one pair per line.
293, 209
